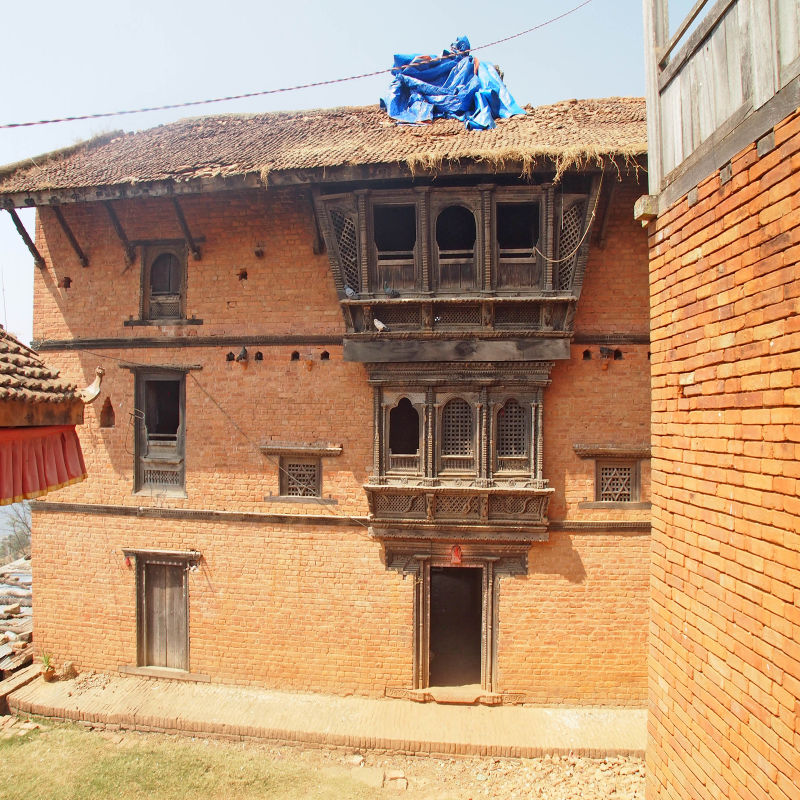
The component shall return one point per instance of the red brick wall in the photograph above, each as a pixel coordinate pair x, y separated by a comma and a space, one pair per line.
293, 604
725, 573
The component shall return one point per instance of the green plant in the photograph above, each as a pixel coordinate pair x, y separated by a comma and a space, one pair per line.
47, 661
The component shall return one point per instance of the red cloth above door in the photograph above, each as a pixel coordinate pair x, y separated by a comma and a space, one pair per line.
35, 460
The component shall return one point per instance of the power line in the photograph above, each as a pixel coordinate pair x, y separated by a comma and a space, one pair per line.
191, 103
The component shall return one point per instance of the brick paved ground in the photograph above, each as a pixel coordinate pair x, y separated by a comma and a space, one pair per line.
352, 722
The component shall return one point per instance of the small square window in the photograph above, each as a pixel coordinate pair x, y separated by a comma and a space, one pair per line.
617, 482
300, 477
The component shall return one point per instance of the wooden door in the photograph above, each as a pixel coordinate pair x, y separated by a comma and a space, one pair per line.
164, 628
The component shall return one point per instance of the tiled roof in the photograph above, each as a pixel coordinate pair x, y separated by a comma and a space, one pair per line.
24, 376
233, 145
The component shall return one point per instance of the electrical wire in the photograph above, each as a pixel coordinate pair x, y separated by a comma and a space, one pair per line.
262, 93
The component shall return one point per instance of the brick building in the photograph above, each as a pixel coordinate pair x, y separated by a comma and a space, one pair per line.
724, 251
376, 407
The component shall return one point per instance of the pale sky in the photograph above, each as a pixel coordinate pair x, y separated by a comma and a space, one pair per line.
88, 56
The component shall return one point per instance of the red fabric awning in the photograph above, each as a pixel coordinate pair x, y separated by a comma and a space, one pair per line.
35, 460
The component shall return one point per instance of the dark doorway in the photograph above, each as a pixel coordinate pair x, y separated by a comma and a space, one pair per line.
455, 631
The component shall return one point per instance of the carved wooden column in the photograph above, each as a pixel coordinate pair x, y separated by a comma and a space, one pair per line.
488, 249
429, 434
483, 437
537, 440
549, 237
363, 226
421, 671
487, 633
377, 439
424, 281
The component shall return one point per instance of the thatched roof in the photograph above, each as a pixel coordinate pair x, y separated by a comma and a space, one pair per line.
266, 146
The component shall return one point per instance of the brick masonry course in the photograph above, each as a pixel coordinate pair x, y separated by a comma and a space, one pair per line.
725, 577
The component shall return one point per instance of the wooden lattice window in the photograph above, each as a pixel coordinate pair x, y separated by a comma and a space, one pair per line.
512, 437
300, 477
569, 241
617, 482
457, 446
347, 240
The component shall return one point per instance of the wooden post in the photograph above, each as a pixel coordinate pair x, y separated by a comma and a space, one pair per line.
130, 255
656, 30
187, 234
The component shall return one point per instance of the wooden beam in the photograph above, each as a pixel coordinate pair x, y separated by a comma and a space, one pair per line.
70, 236
187, 234
663, 52
37, 256
656, 30
130, 254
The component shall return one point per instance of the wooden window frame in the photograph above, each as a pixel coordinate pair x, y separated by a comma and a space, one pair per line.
526, 469
636, 481
151, 252
441, 470
173, 460
284, 478
420, 241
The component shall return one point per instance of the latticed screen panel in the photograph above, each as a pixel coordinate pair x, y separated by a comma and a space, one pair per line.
345, 229
163, 477
397, 315
457, 429
456, 316
569, 240
511, 430
300, 478
456, 506
616, 483
165, 307
522, 315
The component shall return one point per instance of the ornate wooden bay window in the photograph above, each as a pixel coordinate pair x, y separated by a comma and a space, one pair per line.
459, 448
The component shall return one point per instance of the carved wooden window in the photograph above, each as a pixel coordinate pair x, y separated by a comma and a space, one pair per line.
344, 227
394, 230
617, 481
404, 437
160, 427
517, 240
569, 240
512, 437
164, 282
300, 477
457, 439
455, 242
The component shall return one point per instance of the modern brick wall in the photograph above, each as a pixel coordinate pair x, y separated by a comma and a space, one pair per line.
725, 573
295, 604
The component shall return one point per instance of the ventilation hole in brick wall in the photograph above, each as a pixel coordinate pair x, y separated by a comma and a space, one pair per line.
107, 418
242, 274
324, 356
648, 355
295, 356
65, 282
618, 355
259, 355
230, 357
587, 355
259, 251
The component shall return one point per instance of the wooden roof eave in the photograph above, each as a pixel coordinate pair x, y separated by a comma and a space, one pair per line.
24, 413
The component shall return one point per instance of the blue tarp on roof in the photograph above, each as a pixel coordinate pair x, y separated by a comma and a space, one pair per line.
455, 85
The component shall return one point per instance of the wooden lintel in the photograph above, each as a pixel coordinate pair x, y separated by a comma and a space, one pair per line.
37, 256
70, 236
603, 232
187, 234
130, 255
